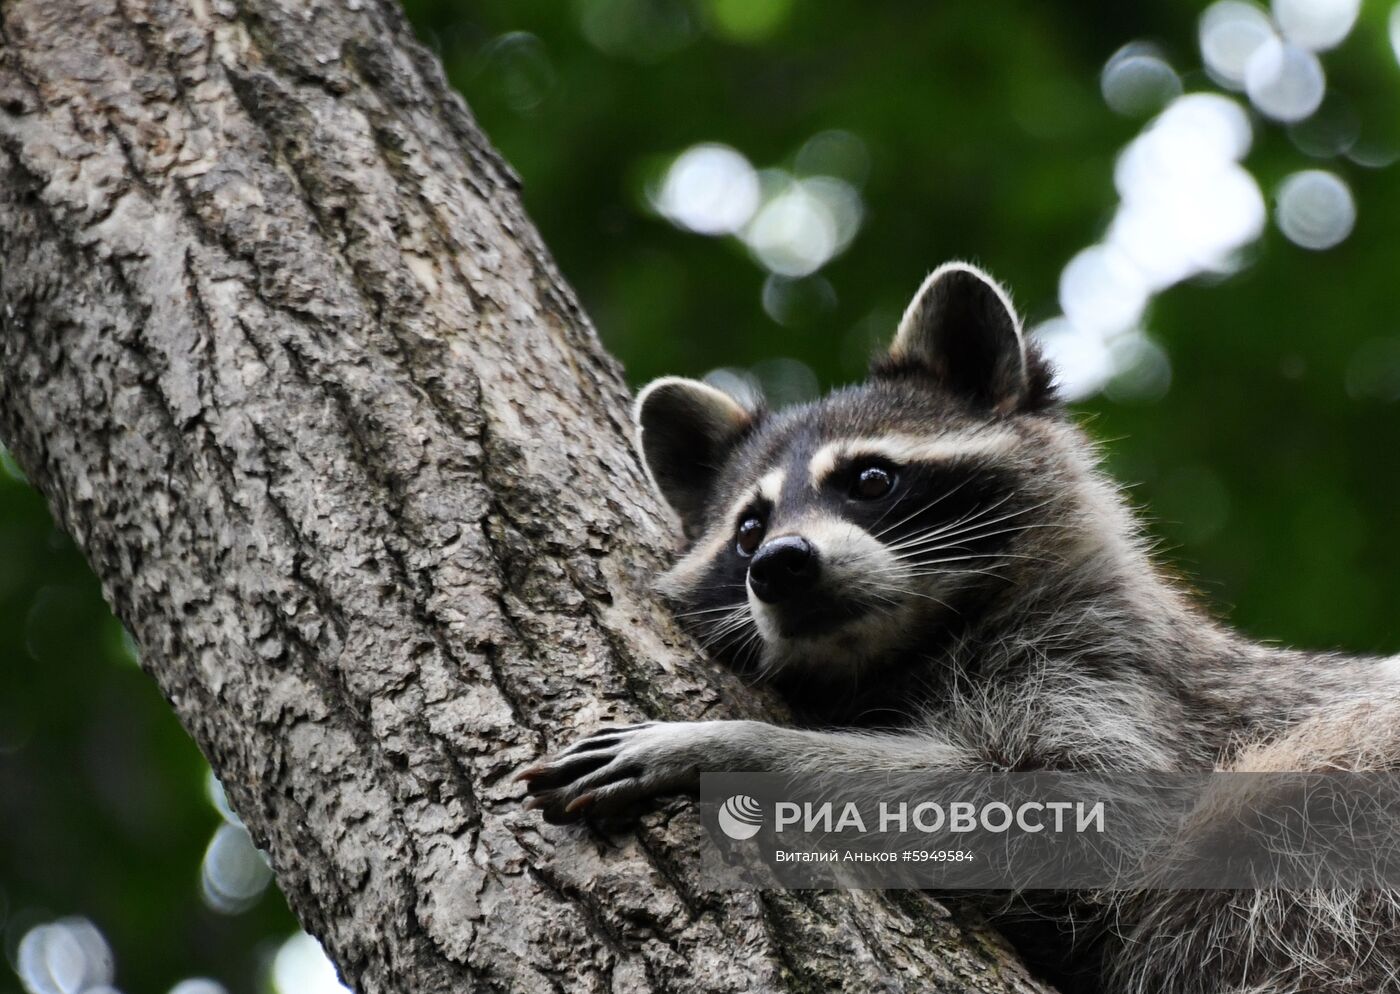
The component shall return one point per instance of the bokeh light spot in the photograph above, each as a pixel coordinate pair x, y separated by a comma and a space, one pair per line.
214, 790
1230, 32
10, 468
130, 652
68, 956
710, 189
1187, 204
740, 384
794, 303
748, 20
302, 967
1283, 81
803, 224
1331, 131
1316, 24
1102, 291
1395, 31
1315, 209
1137, 81
233, 874
834, 153
198, 985
1373, 373
638, 30
1188, 208
519, 69
1142, 370
786, 381
1081, 361
1376, 148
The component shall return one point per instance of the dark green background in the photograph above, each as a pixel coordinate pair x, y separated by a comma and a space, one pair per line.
1268, 482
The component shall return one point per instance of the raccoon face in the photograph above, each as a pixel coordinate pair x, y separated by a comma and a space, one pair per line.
836, 535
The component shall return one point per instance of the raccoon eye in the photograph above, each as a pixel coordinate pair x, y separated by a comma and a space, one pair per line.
750, 536
872, 483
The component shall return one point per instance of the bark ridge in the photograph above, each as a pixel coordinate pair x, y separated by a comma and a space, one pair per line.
281, 348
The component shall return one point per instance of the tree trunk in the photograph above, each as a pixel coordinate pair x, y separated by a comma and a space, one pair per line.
281, 348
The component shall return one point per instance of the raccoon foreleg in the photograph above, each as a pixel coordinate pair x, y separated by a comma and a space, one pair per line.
616, 767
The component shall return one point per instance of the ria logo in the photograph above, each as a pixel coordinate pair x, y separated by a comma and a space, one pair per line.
740, 817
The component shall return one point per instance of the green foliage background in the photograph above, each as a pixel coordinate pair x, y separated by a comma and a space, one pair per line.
1270, 483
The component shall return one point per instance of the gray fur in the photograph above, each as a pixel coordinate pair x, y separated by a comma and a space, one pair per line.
1057, 643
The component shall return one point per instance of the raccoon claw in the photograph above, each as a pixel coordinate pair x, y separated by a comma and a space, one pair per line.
609, 771
579, 803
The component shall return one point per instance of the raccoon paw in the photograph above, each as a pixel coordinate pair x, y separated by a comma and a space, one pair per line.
613, 769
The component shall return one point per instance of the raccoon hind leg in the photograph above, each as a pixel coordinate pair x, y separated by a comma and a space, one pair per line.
1273, 941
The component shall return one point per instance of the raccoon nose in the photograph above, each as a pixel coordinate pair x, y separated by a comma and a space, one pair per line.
783, 568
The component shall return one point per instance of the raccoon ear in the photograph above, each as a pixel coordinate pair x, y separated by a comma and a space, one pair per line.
685, 430
962, 328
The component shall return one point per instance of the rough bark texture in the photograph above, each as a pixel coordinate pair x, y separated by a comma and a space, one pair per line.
290, 363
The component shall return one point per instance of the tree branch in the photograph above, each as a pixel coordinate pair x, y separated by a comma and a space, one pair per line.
289, 362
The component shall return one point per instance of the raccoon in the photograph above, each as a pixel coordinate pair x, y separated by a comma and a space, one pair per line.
935, 570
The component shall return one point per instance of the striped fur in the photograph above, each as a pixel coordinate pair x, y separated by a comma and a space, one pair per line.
1000, 609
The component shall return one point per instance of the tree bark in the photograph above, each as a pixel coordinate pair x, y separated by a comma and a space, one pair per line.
291, 365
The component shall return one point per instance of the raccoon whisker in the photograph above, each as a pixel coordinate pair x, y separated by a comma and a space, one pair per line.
742, 625
738, 645
903, 572
906, 592
765, 672
752, 640
971, 522
752, 661
1017, 512
917, 559
909, 517
980, 555
960, 572
729, 610
914, 514
920, 561
946, 566
718, 643
726, 626
882, 597
719, 636
969, 516
701, 615
711, 610
720, 586
764, 669
719, 628
971, 533
887, 511
1013, 529
917, 571
888, 587
950, 543
897, 569
737, 637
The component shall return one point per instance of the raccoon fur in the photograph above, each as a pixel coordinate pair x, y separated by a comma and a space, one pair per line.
935, 570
